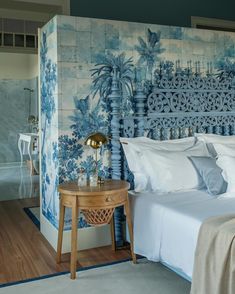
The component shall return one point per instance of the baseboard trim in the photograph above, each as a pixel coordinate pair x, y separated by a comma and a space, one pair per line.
91, 237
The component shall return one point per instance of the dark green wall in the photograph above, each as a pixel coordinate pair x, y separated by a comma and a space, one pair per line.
167, 12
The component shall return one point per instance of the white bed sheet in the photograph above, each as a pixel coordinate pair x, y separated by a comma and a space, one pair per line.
166, 226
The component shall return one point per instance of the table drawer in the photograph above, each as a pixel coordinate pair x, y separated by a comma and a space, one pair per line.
102, 201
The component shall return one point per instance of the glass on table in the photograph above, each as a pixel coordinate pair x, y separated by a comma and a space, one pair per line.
82, 178
93, 179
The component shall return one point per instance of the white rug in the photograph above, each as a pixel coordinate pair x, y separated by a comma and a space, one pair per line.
122, 278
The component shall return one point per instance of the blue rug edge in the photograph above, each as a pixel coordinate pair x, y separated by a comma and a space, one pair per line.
32, 216
63, 273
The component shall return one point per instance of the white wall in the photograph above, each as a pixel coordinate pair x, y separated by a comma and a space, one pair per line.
18, 65
33, 65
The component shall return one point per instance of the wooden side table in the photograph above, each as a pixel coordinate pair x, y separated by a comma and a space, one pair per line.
97, 204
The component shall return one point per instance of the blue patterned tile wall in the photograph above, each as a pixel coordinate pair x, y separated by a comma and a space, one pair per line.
16, 105
49, 121
77, 56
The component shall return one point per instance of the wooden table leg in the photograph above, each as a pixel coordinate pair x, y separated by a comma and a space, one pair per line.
73, 260
112, 229
130, 228
60, 232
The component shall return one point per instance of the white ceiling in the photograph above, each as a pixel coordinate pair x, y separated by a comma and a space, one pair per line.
38, 10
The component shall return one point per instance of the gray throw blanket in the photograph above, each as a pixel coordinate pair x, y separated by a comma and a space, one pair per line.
214, 263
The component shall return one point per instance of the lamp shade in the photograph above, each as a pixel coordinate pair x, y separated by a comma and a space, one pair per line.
96, 140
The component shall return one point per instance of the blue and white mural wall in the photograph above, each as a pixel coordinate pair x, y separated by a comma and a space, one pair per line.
49, 121
77, 59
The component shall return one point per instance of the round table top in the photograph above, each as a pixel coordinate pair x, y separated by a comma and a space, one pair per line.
109, 186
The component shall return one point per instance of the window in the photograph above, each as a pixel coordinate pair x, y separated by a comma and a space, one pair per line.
30, 41
8, 39
19, 33
19, 40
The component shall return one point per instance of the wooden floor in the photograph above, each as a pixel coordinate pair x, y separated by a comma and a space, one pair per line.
26, 254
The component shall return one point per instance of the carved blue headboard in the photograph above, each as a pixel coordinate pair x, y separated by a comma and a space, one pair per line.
176, 107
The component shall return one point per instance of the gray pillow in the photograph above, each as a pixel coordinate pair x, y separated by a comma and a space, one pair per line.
211, 174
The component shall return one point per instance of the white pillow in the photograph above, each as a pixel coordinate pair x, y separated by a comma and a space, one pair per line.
133, 147
211, 139
173, 171
140, 179
227, 164
141, 182
222, 149
139, 143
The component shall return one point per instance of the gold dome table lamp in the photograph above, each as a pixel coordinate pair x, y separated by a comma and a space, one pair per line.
96, 140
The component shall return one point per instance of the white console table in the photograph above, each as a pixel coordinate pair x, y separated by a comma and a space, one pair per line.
28, 144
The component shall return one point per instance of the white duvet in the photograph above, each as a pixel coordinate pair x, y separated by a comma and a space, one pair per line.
166, 226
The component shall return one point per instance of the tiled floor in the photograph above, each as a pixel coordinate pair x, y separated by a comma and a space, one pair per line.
17, 183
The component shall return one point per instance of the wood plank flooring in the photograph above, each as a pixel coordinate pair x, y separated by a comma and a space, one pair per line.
26, 254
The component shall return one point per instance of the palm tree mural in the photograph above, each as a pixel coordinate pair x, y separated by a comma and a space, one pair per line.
149, 51
226, 69
87, 119
103, 72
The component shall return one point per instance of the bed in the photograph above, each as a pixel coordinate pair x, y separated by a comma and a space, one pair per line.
166, 226
168, 232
